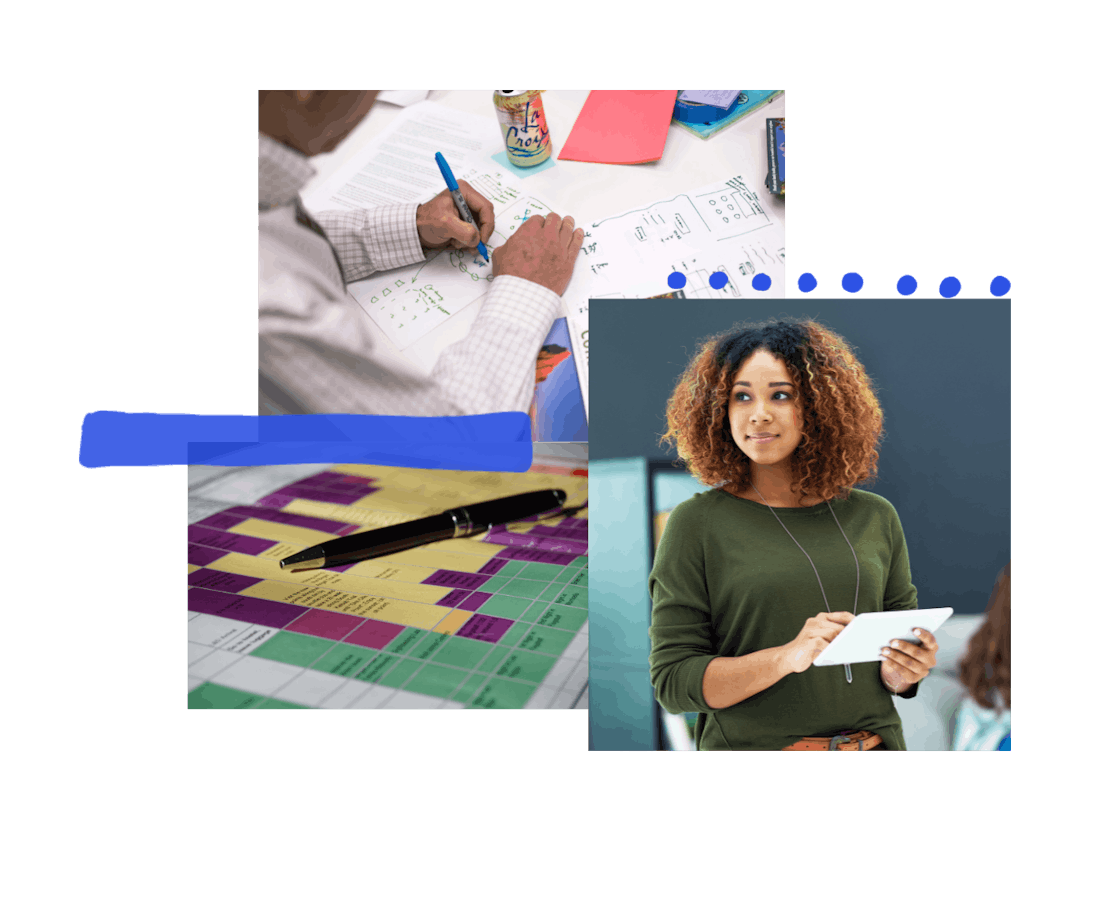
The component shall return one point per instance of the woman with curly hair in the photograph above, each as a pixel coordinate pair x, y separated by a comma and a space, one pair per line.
754, 578
984, 719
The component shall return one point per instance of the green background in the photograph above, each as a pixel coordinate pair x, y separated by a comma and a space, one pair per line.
933, 141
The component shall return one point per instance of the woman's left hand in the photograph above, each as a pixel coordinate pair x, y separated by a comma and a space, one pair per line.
904, 664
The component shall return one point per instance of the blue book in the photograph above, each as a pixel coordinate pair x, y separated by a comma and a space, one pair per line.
557, 410
747, 103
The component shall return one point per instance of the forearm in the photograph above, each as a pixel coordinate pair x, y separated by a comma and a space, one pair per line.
730, 679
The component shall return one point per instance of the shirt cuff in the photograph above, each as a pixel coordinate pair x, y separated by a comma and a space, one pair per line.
522, 303
391, 236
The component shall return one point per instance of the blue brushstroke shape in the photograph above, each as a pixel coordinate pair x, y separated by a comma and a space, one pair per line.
497, 442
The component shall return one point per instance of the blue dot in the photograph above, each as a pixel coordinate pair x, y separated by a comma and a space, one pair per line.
806, 282
677, 280
852, 282
718, 280
761, 282
949, 287
1000, 286
906, 285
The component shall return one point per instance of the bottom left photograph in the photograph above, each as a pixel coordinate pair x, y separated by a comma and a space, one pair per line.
346, 587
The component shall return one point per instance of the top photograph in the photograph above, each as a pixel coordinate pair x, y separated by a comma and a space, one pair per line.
433, 253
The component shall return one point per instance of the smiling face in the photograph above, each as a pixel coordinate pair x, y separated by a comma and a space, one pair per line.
765, 415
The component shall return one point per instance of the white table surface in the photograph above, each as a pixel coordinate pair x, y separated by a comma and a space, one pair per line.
586, 191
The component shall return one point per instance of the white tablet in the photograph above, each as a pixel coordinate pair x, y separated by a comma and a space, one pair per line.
864, 637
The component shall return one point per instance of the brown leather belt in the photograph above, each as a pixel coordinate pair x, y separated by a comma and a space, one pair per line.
858, 740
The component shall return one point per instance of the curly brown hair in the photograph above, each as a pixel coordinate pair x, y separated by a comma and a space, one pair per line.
985, 669
841, 414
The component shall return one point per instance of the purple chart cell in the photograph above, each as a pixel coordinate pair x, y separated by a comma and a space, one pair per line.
464, 580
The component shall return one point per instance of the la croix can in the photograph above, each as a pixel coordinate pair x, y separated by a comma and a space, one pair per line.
523, 123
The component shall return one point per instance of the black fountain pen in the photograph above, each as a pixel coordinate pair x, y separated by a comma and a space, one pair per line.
466, 520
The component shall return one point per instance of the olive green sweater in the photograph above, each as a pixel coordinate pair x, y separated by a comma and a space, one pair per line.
729, 581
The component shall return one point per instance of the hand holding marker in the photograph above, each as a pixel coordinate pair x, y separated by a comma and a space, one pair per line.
460, 201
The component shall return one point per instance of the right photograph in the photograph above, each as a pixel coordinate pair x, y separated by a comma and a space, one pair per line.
801, 525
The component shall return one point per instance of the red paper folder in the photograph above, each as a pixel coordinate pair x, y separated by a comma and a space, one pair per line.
624, 127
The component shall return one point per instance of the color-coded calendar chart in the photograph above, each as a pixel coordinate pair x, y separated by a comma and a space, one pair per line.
497, 621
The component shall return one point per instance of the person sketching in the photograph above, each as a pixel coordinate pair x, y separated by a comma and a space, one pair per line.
984, 720
754, 578
317, 353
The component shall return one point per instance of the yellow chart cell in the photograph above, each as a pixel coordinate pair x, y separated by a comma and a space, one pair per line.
276, 531
454, 621
430, 558
400, 612
255, 567
355, 515
191, 568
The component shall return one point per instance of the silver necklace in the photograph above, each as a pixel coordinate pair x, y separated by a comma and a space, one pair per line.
847, 668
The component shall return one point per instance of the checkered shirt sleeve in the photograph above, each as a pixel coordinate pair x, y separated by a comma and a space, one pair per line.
372, 240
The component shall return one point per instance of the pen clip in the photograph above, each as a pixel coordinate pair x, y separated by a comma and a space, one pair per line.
464, 527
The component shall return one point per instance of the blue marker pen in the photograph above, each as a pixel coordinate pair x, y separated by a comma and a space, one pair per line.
459, 200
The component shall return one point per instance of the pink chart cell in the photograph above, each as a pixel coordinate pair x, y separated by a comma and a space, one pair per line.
324, 623
374, 634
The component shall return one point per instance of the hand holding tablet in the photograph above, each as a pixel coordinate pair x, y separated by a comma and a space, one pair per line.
864, 636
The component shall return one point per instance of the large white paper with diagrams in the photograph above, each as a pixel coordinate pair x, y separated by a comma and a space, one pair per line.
722, 227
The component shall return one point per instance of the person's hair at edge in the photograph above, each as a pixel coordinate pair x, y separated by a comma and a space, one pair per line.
985, 668
842, 419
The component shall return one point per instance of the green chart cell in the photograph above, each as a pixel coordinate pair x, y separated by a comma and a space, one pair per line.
436, 681
558, 616
546, 640
405, 641
512, 568
504, 607
534, 612
462, 652
541, 572
580, 579
500, 693
494, 584
271, 703
521, 587
295, 649
469, 690
525, 666
573, 596
215, 696
513, 634
345, 659
377, 667
399, 674
494, 659
431, 642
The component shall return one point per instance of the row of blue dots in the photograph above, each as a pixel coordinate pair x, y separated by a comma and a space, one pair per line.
718, 281
852, 283
948, 288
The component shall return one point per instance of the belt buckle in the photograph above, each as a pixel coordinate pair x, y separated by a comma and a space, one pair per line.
841, 739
